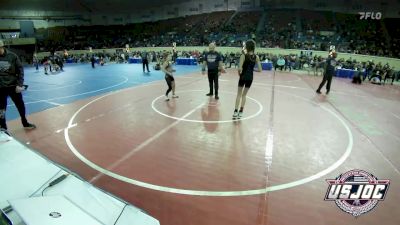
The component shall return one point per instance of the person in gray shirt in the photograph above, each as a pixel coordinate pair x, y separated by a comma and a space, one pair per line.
11, 84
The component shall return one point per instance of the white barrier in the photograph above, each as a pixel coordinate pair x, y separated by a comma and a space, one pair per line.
25, 174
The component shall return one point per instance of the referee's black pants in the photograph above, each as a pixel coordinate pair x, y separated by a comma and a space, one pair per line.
213, 81
145, 63
327, 78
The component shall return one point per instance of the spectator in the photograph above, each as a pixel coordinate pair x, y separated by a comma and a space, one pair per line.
11, 84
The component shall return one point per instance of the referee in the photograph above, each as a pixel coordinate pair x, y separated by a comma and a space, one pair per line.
145, 61
329, 72
213, 61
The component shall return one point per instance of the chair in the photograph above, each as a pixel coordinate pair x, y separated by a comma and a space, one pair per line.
307, 68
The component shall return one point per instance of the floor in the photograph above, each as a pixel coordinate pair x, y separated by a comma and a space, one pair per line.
187, 162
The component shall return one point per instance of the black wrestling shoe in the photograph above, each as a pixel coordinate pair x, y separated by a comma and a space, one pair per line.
29, 126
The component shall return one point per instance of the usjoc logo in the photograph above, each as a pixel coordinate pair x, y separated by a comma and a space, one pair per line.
370, 15
356, 191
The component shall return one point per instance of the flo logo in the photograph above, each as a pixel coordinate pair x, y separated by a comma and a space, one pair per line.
370, 15
356, 191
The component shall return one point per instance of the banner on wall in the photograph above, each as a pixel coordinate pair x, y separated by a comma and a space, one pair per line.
27, 28
326, 33
20, 41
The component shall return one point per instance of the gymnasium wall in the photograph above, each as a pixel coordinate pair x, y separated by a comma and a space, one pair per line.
19, 41
392, 61
9, 19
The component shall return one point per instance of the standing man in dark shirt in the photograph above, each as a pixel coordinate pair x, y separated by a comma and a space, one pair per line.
213, 61
329, 72
92, 60
59, 61
145, 61
11, 84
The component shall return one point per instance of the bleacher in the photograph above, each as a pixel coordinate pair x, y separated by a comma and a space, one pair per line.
299, 29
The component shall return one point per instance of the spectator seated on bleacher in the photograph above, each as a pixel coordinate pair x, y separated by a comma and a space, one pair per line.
280, 63
389, 74
357, 77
